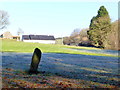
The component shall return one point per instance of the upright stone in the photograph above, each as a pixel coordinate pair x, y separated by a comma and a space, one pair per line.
35, 60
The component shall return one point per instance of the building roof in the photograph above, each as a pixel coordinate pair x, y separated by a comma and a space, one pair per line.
7, 34
37, 37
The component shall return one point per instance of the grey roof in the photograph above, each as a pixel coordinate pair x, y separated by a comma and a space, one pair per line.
37, 37
26, 37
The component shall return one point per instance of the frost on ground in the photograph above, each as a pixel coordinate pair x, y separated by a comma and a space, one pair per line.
60, 70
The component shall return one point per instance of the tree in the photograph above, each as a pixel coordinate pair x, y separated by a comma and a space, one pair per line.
83, 33
20, 31
102, 12
113, 36
75, 37
75, 32
66, 40
99, 27
3, 19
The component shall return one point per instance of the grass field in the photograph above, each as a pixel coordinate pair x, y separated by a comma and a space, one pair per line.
60, 71
18, 46
91, 71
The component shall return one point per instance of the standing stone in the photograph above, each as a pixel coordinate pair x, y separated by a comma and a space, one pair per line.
35, 60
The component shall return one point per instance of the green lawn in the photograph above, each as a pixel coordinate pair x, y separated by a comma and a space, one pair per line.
19, 46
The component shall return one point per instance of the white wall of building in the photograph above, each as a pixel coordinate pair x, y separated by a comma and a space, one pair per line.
41, 41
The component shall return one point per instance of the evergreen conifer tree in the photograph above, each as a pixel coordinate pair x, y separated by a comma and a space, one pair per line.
99, 27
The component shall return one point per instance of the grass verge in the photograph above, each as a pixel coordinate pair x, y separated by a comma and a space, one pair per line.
24, 47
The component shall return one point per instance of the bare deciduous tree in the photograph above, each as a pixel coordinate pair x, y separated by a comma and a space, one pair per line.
3, 19
20, 31
75, 32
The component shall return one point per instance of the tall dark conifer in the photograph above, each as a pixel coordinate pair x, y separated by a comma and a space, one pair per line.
99, 27
102, 12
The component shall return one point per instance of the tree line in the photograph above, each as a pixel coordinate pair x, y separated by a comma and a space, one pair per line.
101, 33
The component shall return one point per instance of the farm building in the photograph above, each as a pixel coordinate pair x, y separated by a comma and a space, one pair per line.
6, 35
16, 37
39, 39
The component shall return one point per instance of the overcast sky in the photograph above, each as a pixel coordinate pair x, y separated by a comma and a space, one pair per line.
53, 18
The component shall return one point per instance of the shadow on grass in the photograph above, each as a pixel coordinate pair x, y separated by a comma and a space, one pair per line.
84, 67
